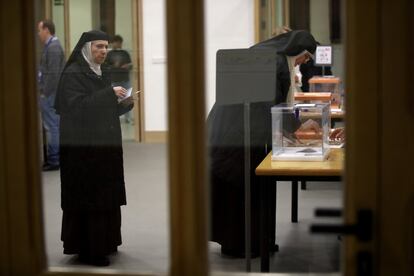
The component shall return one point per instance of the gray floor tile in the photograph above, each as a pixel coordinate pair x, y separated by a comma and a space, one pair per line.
145, 222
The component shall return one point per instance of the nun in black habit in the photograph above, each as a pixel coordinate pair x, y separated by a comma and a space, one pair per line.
226, 149
309, 69
91, 160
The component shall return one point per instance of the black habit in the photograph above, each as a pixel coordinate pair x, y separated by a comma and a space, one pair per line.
91, 158
226, 153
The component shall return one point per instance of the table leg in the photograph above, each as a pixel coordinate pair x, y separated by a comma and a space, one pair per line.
264, 224
294, 201
303, 185
272, 216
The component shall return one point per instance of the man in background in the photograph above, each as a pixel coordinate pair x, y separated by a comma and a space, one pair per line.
119, 62
51, 64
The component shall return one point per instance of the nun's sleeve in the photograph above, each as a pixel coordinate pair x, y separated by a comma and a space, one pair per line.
76, 97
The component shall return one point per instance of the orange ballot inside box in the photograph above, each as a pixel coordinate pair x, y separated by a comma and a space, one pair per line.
300, 132
327, 84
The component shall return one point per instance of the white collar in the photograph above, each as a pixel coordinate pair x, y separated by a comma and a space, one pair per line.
87, 55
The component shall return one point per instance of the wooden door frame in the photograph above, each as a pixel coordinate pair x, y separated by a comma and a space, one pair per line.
48, 13
379, 118
186, 137
138, 56
362, 110
395, 226
19, 139
369, 27
299, 15
270, 8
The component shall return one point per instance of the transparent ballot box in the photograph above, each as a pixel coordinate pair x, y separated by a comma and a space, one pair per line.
327, 84
300, 132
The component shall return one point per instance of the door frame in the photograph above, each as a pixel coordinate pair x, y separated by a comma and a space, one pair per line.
138, 57
267, 15
362, 158
379, 118
370, 26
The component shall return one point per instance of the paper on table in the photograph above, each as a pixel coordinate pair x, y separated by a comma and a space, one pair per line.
305, 105
128, 94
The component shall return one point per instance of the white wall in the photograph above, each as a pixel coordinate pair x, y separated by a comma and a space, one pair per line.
154, 44
80, 23
228, 24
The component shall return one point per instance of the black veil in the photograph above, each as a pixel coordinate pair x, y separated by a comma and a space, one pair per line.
290, 43
76, 54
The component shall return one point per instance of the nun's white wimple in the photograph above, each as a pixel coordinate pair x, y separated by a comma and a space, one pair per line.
87, 55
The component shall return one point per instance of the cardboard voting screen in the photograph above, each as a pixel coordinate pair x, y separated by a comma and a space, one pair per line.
245, 76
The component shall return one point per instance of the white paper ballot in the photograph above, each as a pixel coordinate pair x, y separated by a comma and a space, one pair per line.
128, 94
336, 110
305, 105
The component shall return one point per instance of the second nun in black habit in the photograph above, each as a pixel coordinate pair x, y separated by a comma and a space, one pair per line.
92, 176
226, 152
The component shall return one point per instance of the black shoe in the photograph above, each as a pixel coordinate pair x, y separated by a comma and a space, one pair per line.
238, 254
96, 261
99, 261
49, 167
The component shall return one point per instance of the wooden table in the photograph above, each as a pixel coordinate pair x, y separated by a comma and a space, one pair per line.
337, 116
272, 171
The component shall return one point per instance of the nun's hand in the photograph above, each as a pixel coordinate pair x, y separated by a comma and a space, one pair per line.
119, 91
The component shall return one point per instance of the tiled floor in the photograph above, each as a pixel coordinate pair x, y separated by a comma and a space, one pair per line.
145, 222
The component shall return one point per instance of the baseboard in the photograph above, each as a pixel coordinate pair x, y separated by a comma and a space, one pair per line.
155, 137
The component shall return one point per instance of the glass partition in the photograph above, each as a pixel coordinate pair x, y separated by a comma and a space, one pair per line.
229, 25
256, 202
93, 172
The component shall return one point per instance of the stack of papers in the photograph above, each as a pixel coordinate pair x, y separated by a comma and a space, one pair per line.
128, 94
